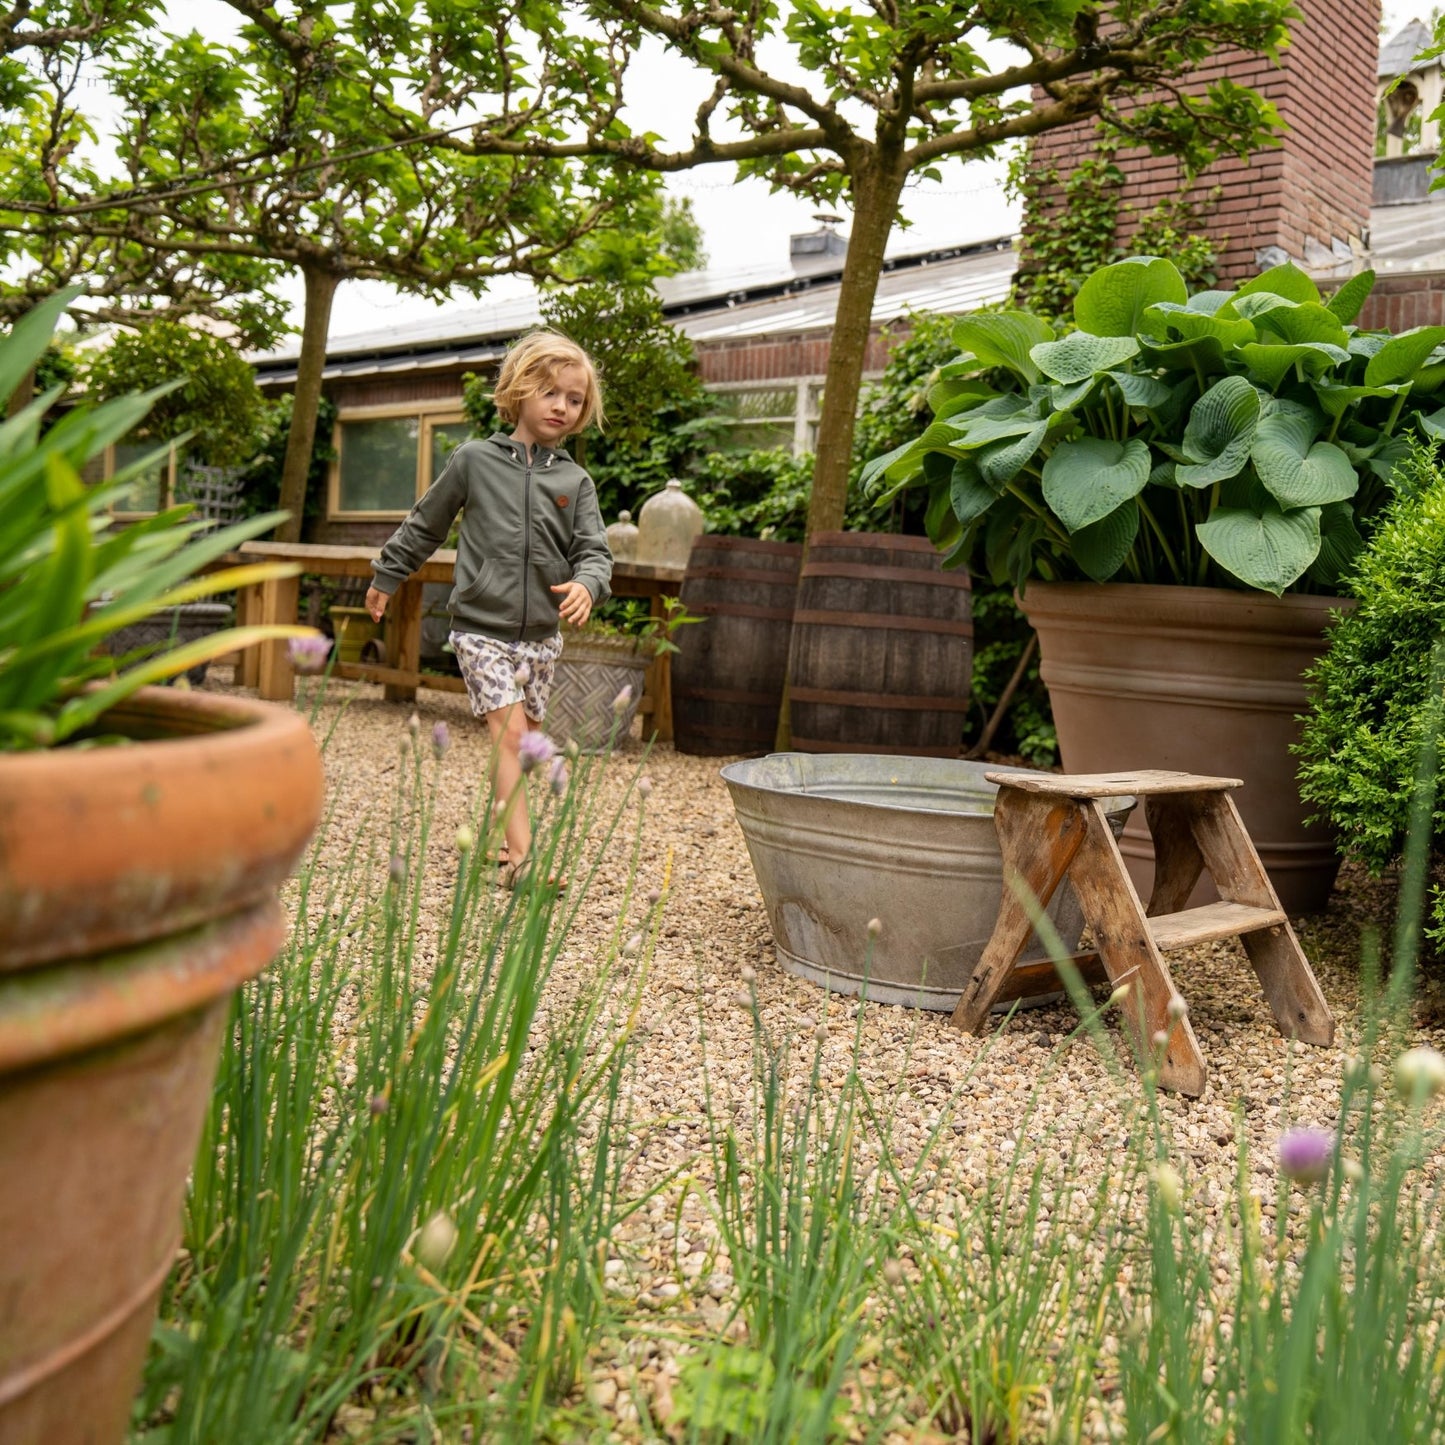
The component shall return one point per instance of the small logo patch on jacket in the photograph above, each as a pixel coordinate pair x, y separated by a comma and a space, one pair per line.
561, 501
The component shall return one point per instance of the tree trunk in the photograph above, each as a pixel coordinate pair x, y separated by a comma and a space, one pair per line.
877, 186
316, 319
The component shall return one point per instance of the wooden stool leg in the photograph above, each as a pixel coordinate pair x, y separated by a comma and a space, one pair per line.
1288, 982
249, 613
1177, 859
276, 678
403, 639
1122, 937
1038, 838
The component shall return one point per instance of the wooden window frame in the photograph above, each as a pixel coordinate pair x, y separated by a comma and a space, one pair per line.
428, 414
169, 478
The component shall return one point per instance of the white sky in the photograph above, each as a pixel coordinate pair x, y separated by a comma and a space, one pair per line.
743, 223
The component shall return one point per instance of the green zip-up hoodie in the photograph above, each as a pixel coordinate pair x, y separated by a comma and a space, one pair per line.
528, 524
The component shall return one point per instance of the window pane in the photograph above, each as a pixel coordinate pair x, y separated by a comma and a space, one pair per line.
446, 437
759, 436
771, 402
378, 464
144, 493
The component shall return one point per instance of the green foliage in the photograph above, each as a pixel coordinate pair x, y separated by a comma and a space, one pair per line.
753, 494
1230, 438
658, 413
215, 402
261, 481
1375, 698
1072, 226
896, 411
370, 1213
67, 583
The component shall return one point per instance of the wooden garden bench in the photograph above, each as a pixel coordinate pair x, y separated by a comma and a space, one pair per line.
268, 667
1053, 825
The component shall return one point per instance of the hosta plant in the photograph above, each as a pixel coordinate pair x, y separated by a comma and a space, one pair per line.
1232, 438
69, 579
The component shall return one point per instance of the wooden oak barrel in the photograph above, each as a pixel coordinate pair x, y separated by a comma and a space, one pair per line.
882, 648
727, 675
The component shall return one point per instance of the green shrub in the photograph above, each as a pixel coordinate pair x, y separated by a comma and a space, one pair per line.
1373, 705
218, 401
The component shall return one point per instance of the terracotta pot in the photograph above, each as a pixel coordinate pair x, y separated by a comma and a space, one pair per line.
1199, 679
137, 890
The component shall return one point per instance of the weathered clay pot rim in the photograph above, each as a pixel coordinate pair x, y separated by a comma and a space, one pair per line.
72, 1006
1169, 605
103, 848
624, 651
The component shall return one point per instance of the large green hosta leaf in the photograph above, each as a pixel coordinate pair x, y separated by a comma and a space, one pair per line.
1202, 354
1003, 338
1082, 355
1086, 479
1347, 301
1340, 545
1268, 549
1337, 399
1101, 547
1220, 433
1403, 355
1294, 472
1002, 462
1113, 301
1295, 325
1286, 280
1169, 321
1143, 392
968, 493
1271, 364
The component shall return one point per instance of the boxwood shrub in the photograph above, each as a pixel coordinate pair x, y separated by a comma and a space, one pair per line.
1373, 703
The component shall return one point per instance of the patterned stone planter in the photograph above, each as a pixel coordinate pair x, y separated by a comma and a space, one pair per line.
591, 674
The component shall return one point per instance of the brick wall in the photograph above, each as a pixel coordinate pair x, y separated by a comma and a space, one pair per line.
1402, 301
1310, 197
772, 358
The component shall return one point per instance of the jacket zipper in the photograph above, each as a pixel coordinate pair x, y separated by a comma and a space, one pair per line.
526, 541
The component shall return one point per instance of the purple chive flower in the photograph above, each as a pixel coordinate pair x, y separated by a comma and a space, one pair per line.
309, 654
557, 776
441, 740
535, 750
1305, 1154
620, 702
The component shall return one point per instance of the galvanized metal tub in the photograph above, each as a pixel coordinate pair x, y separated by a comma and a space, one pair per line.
839, 839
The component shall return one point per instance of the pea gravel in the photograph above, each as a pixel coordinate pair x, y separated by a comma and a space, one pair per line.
714, 956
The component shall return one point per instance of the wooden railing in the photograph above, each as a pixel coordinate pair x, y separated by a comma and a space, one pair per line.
268, 667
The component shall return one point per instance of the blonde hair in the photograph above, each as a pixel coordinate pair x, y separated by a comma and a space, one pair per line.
532, 363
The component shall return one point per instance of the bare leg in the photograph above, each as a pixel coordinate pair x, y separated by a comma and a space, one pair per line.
509, 789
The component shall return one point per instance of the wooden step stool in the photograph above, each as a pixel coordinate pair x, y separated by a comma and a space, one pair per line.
1052, 825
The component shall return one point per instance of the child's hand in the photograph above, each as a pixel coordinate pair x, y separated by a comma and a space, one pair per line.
376, 602
576, 606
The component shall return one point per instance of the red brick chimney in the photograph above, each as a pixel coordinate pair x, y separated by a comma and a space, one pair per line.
1308, 199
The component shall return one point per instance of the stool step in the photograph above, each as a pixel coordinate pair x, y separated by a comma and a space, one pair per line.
1112, 785
1213, 920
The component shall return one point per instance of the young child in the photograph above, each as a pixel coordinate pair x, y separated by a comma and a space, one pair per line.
532, 551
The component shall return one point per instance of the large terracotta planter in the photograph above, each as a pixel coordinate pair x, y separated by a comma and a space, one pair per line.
1199, 679
137, 891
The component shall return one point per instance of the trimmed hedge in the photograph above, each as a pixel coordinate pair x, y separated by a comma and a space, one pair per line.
1373, 707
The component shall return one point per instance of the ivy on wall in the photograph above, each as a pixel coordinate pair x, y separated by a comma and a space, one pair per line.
1072, 224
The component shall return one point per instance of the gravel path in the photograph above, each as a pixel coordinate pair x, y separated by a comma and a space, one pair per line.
696, 1000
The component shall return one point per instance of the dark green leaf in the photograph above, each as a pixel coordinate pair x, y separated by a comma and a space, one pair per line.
1101, 547
1086, 479
1220, 432
1113, 301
